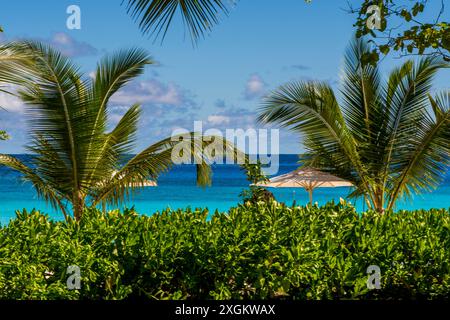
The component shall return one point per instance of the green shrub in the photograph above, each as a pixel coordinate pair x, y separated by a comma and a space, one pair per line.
252, 252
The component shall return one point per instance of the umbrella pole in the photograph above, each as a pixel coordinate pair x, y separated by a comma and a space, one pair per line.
310, 191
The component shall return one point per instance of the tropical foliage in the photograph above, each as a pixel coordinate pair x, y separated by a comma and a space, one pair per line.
389, 137
255, 175
403, 30
77, 160
253, 252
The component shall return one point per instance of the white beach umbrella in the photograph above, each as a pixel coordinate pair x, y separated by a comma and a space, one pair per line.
307, 178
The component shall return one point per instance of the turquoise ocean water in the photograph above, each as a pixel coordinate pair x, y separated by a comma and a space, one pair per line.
177, 189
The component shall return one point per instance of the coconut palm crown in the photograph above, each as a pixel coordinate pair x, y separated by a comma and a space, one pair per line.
389, 137
75, 156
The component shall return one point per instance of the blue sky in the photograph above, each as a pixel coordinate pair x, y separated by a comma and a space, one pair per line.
261, 45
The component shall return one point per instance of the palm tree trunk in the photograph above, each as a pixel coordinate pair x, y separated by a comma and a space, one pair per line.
78, 206
379, 200
367, 200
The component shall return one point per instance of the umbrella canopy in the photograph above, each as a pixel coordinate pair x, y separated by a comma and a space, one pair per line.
307, 178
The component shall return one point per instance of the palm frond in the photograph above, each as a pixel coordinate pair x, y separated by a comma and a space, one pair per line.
43, 189
360, 86
112, 74
362, 104
159, 158
115, 146
51, 165
423, 163
406, 101
14, 63
3, 135
156, 16
56, 99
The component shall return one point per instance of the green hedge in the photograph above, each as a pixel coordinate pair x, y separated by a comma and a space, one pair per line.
252, 252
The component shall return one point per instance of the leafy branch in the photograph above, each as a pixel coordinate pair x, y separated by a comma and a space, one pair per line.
255, 175
411, 36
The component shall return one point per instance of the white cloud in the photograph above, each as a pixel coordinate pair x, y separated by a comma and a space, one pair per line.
10, 102
61, 38
218, 119
69, 46
300, 67
233, 118
114, 119
64, 43
152, 92
255, 87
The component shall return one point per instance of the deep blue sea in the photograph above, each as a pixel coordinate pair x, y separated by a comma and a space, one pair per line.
177, 189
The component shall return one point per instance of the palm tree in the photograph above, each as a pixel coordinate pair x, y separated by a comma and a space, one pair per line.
389, 137
75, 156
